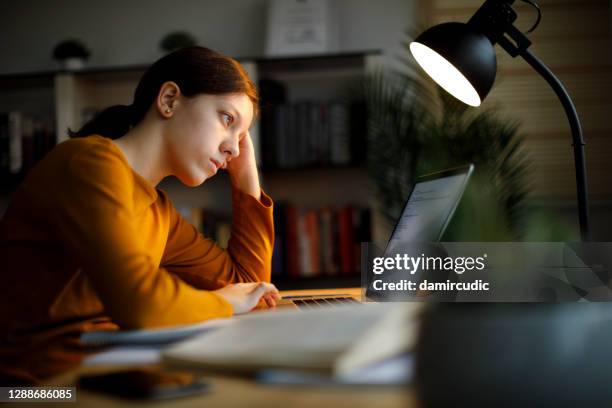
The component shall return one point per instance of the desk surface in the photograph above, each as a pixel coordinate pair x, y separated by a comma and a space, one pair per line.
240, 391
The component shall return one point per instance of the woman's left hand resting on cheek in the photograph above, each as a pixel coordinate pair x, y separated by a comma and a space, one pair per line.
243, 169
245, 296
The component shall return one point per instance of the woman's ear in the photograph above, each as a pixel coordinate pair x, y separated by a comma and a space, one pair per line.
167, 99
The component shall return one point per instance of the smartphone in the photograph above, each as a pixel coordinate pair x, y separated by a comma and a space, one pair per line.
145, 384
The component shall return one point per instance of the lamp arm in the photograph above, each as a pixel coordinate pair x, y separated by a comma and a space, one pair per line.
578, 141
495, 19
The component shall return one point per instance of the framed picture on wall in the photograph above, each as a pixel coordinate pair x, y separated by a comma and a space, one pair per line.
300, 27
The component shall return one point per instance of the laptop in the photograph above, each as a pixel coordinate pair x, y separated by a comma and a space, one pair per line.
428, 211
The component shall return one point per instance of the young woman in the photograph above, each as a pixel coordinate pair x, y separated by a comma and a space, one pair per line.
89, 243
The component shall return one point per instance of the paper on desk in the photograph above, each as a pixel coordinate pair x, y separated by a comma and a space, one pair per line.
129, 355
151, 336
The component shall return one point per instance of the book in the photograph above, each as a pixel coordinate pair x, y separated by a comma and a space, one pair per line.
304, 246
314, 240
336, 341
346, 241
280, 238
358, 135
292, 248
319, 241
397, 370
272, 93
24, 140
15, 132
362, 224
329, 264
339, 127
4, 144
313, 133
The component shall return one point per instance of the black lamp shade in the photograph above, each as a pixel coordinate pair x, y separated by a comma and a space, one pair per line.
457, 45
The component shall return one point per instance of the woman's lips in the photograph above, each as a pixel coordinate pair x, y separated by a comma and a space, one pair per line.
214, 165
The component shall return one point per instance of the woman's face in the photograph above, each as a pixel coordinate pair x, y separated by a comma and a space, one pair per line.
205, 131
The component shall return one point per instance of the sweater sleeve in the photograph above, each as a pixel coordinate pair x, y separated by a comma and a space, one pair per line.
94, 219
248, 258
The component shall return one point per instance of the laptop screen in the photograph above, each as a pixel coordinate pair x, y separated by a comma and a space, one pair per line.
430, 207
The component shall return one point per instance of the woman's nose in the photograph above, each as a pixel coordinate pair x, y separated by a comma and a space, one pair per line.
231, 149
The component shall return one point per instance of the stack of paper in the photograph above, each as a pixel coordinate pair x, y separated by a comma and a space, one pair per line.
141, 346
151, 336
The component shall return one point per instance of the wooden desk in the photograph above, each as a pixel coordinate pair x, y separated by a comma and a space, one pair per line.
242, 392
232, 391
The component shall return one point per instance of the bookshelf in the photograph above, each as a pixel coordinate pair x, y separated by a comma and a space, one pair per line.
30, 99
316, 82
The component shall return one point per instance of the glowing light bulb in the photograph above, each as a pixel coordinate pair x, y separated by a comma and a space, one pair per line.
445, 74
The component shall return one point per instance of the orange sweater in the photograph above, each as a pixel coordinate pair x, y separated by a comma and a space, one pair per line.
88, 244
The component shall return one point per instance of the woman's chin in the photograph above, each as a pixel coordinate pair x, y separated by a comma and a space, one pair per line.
194, 181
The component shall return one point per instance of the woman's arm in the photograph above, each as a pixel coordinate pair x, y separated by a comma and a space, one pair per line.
94, 220
201, 262
243, 169
205, 265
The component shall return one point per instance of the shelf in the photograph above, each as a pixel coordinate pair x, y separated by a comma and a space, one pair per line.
26, 81
311, 169
85, 71
6, 79
313, 62
302, 61
319, 282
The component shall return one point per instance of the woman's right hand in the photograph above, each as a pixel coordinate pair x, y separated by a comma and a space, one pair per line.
245, 296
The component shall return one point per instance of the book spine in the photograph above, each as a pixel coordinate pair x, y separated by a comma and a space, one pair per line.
315, 242
280, 239
357, 132
4, 145
292, 250
329, 266
268, 131
304, 245
15, 131
28, 145
339, 134
347, 240
281, 134
362, 226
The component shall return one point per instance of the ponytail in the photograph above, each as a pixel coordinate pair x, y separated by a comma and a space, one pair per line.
113, 122
196, 70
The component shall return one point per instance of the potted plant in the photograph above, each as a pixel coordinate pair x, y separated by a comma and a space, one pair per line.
176, 40
414, 130
71, 54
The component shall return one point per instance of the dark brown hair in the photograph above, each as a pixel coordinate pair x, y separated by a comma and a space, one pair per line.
196, 70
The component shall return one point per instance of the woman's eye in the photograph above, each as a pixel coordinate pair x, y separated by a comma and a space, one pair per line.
227, 119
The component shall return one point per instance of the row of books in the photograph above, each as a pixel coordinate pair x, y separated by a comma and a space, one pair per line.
308, 242
319, 242
310, 133
24, 140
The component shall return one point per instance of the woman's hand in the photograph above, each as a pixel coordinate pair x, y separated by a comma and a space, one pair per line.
243, 169
245, 296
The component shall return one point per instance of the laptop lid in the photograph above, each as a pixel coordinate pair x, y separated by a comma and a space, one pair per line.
428, 211
430, 206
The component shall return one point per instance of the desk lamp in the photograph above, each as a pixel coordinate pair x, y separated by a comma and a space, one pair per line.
461, 59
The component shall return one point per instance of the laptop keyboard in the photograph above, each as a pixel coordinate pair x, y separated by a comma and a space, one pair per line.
316, 303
